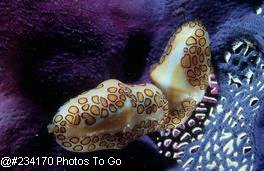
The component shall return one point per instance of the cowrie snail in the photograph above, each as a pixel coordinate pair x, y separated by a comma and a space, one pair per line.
109, 116
114, 113
183, 71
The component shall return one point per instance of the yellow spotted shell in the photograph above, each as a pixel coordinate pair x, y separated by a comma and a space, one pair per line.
114, 113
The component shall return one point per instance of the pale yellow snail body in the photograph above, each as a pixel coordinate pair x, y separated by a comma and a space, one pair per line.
114, 114
109, 116
183, 71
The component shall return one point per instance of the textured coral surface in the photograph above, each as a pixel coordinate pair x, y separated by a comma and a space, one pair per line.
53, 50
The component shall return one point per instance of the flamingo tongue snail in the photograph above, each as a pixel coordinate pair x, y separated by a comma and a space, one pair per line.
114, 113
109, 116
183, 71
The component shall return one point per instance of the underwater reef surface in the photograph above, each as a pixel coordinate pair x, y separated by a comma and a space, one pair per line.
51, 51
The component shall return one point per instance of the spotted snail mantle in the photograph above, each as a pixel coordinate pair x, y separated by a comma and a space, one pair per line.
114, 113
